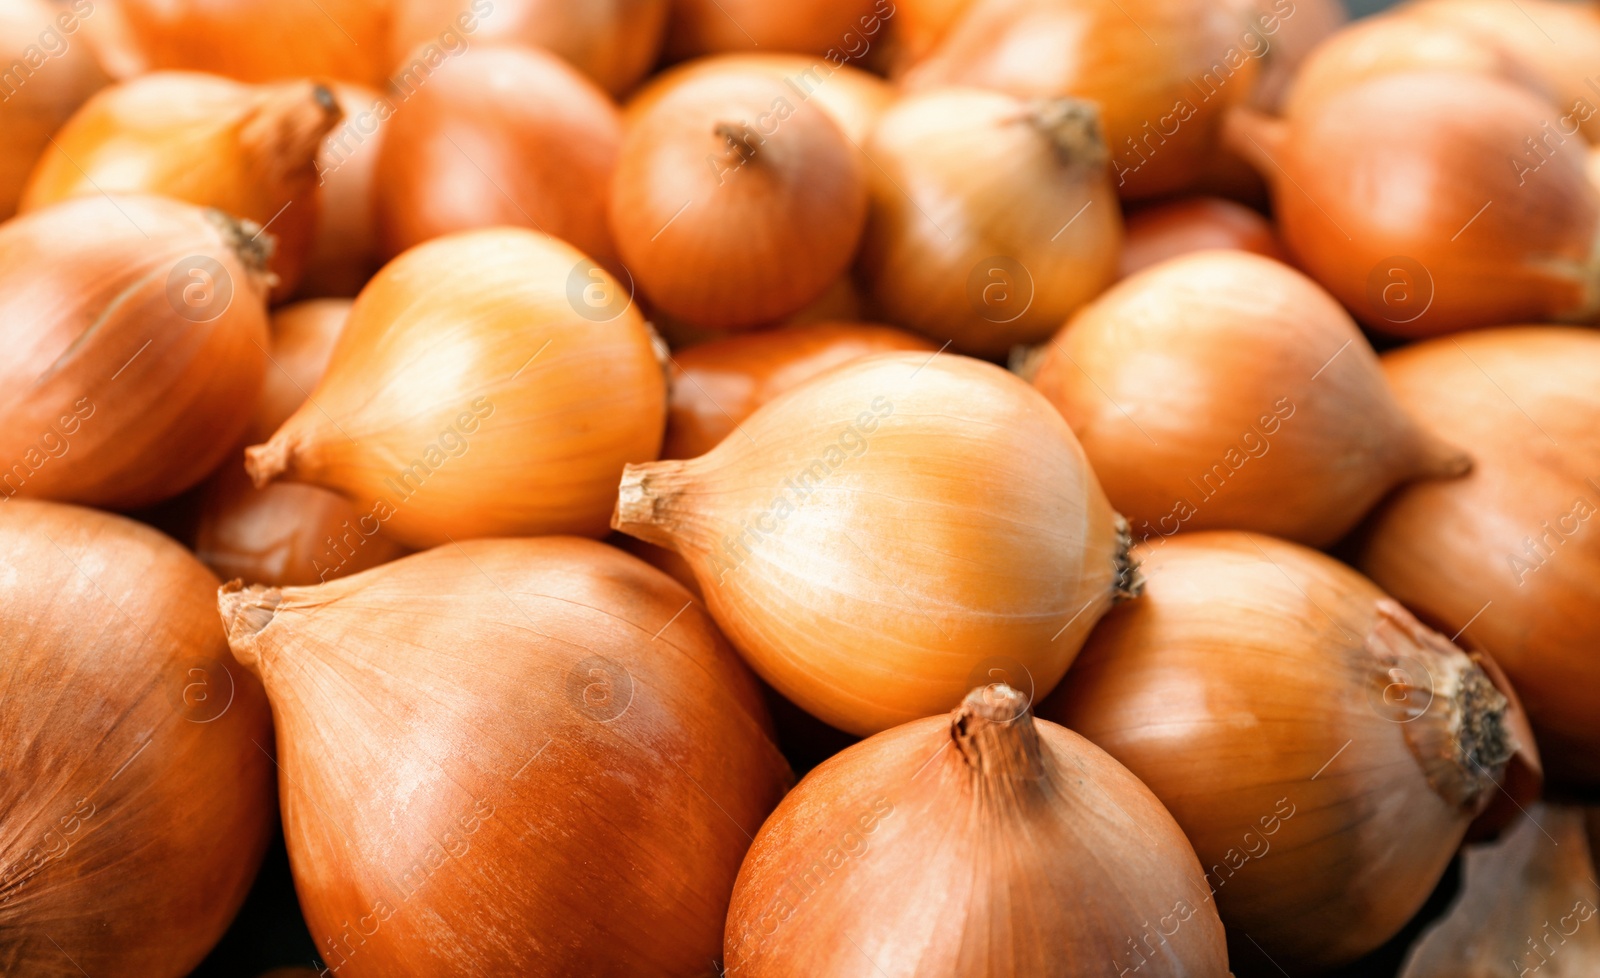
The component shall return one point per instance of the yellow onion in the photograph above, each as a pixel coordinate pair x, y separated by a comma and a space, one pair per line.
344, 249
135, 333
509, 757
1177, 227
499, 135
138, 789
841, 29
1322, 749
1508, 557
983, 842
47, 75
1163, 72
874, 538
249, 151
993, 218
1223, 390
487, 383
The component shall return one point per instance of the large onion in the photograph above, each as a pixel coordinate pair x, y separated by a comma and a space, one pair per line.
47, 76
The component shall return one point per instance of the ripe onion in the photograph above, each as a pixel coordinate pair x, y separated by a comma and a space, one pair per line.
138, 787
264, 40
1026, 851
1223, 390
344, 249
135, 332
716, 385
842, 29
478, 746
488, 383
736, 201
1178, 227
47, 77
1323, 750
1416, 200
1506, 556
500, 135
797, 532
992, 220
249, 151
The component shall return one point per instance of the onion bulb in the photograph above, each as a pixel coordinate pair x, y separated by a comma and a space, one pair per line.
1178, 227
716, 385
478, 746
1418, 201
135, 333
249, 151
265, 40
47, 77
1508, 556
344, 250
138, 787
737, 200
488, 383
992, 220
1025, 851
1223, 390
841, 29
1322, 749
500, 135
796, 530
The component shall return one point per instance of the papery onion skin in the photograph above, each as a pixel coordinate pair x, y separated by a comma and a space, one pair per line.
1223, 390
796, 530
486, 773
982, 842
139, 788
474, 393
843, 28
499, 135
1177, 227
718, 384
1508, 556
344, 250
135, 332
1276, 700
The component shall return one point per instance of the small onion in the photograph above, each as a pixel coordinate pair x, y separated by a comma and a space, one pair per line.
1025, 851
1178, 227
264, 40
344, 250
38, 100
510, 757
844, 29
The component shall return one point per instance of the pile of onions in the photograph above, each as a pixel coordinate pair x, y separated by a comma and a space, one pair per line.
736, 201
135, 332
37, 102
1322, 750
796, 532
138, 788
487, 383
1507, 556
1177, 227
249, 151
1163, 72
1023, 851
595, 695
842, 29
993, 218
1416, 199
499, 135
344, 249
1223, 390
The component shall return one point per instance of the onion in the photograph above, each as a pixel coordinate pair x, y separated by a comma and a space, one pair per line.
993, 219
841, 29
1187, 224
797, 533
1025, 851
716, 385
480, 388
1223, 390
1292, 30
138, 788
1387, 195
480, 747
614, 42
919, 26
46, 78
736, 201
500, 136
264, 40
1162, 71
1504, 556
249, 151
1322, 750
344, 249
135, 335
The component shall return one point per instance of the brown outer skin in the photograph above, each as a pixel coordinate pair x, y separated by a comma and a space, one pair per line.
1226, 361
431, 713
344, 249
901, 858
698, 27
1525, 400
82, 290
1177, 227
716, 385
499, 135
1239, 687
137, 751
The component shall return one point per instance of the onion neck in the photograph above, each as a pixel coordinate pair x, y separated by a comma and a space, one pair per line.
995, 735
1129, 582
739, 143
1073, 128
1257, 138
249, 244
267, 462
284, 129
646, 500
246, 611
